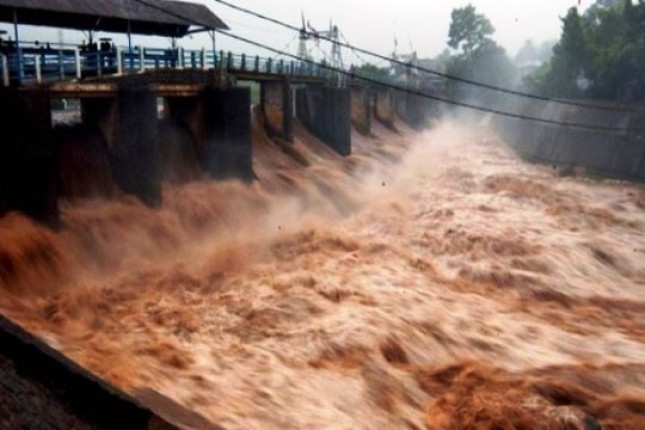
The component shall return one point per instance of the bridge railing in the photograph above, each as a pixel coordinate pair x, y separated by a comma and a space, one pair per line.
272, 66
39, 64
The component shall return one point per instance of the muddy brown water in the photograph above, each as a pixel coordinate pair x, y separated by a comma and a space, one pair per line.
428, 281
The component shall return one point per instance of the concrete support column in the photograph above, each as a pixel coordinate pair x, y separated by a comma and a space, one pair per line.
28, 155
129, 125
227, 147
326, 112
413, 110
277, 107
183, 138
288, 108
384, 106
135, 155
361, 112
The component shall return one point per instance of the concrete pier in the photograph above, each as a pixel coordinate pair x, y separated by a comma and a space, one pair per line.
129, 125
384, 106
228, 150
326, 112
122, 144
83, 167
361, 109
218, 121
412, 109
182, 134
276, 101
28, 155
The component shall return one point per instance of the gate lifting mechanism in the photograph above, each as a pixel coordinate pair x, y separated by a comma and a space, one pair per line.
308, 32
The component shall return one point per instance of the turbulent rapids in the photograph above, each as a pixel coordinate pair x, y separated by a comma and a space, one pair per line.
430, 280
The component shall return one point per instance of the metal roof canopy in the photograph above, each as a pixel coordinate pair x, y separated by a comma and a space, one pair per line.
150, 17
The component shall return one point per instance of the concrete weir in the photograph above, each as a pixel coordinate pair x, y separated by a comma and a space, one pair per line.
125, 116
206, 127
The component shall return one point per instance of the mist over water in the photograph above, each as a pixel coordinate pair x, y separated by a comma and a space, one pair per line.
430, 280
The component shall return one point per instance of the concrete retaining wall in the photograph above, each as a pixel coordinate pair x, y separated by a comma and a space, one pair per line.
618, 154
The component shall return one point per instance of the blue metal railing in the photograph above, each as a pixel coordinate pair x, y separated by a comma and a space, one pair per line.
38, 64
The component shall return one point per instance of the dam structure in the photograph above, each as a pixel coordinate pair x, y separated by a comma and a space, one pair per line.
179, 250
120, 89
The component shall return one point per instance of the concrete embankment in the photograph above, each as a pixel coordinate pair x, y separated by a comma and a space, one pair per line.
43, 389
617, 154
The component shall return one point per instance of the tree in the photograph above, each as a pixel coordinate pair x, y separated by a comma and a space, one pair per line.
469, 30
617, 43
606, 45
570, 58
478, 57
372, 71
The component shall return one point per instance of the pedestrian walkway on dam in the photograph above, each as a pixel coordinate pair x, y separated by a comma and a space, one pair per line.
39, 62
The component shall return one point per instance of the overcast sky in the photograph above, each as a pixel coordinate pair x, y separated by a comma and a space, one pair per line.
422, 24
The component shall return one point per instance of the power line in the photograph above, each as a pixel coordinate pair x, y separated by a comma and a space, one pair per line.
356, 54
430, 96
409, 90
286, 48
252, 27
431, 71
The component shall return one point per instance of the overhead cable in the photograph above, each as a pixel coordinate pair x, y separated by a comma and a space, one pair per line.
434, 97
412, 91
428, 70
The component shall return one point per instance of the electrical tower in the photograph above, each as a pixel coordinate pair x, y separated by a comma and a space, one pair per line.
303, 52
333, 35
308, 32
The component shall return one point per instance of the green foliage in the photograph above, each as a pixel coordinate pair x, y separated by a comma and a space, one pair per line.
537, 80
605, 45
478, 57
469, 30
372, 71
570, 57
